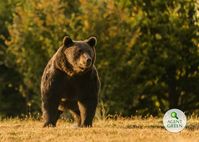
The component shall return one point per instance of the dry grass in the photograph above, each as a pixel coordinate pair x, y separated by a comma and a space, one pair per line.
134, 129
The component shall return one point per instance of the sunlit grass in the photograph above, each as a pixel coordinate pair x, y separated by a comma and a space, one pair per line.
113, 130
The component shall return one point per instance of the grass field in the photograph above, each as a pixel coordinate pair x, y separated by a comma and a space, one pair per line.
119, 130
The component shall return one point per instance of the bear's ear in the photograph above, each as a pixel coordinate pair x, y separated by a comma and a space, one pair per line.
67, 41
92, 41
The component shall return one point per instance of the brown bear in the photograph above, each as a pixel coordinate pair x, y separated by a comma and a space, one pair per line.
70, 81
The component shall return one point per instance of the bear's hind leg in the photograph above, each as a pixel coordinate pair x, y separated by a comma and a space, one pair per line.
76, 115
72, 106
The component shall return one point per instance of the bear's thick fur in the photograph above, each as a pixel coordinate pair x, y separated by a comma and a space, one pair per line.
70, 81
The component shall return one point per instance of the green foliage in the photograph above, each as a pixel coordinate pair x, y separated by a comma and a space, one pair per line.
147, 52
170, 55
10, 79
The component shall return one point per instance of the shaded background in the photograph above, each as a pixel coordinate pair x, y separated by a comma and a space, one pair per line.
147, 52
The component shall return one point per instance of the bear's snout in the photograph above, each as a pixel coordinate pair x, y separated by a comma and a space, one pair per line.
87, 61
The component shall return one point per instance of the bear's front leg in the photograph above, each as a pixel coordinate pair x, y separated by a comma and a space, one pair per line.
87, 109
50, 111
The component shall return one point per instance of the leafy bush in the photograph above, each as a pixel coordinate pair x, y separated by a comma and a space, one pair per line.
147, 52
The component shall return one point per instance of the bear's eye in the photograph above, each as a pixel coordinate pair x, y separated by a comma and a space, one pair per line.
80, 51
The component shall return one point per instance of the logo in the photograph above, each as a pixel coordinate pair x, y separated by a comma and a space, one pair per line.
174, 120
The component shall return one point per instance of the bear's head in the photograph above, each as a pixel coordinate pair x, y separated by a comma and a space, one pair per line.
80, 54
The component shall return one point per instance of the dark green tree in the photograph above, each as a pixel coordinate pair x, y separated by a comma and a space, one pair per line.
12, 103
169, 50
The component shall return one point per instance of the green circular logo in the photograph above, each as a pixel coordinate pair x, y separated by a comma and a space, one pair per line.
174, 120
